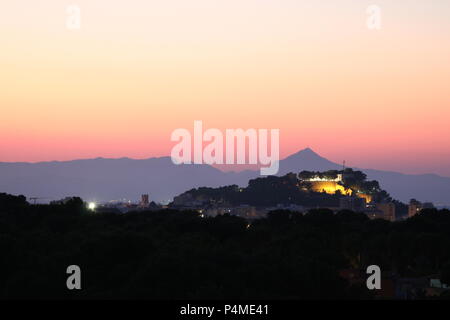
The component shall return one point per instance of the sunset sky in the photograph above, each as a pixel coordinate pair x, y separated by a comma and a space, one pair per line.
137, 70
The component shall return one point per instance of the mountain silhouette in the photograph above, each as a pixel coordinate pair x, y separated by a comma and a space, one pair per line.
103, 179
107, 179
306, 159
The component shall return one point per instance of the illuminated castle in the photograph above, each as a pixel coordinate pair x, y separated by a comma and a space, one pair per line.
331, 185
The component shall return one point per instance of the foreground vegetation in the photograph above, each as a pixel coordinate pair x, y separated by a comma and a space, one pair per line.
178, 255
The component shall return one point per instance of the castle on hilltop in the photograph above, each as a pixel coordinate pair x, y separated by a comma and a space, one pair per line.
332, 182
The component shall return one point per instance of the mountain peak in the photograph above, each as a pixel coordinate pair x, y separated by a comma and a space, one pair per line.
307, 152
306, 159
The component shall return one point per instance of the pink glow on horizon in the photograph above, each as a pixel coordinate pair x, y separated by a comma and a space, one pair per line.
120, 86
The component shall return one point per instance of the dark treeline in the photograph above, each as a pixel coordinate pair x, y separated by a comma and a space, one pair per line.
178, 255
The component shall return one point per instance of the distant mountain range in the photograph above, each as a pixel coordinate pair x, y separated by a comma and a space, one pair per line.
114, 179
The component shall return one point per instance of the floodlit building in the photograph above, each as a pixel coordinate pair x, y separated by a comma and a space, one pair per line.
329, 187
332, 185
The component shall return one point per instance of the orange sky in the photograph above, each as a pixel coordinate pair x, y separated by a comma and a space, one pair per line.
137, 70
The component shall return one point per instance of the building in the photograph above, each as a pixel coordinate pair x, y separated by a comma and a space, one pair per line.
352, 203
374, 213
322, 179
144, 200
420, 288
388, 210
329, 187
327, 184
332, 185
414, 207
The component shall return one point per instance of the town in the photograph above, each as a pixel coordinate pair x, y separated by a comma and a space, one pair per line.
334, 190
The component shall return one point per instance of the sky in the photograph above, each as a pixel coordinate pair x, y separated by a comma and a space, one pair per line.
137, 70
